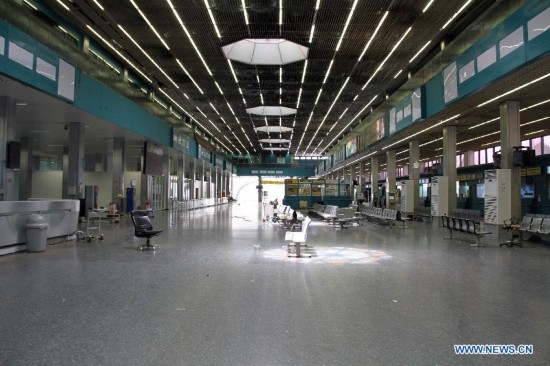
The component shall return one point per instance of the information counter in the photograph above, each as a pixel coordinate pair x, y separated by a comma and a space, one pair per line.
61, 217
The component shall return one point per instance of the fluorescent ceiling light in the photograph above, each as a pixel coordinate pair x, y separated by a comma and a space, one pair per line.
328, 71
456, 14
232, 71
219, 88
535, 121
189, 36
534, 132
491, 143
430, 142
31, 5
304, 72
245, 12
424, 130
119, 54
148, 23
515, 89
387, 57
346, 25
420, 51
299, 96
189, 76
318, 96
311, 33
212, 18
534, 105
484, 123
98, 4
198, 109
280, 12
149, 57
373, 35
398, 73
317, 3
427, 6
215, 110
63, 4
478, 137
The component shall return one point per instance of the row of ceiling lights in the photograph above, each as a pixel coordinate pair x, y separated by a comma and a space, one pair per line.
317, 6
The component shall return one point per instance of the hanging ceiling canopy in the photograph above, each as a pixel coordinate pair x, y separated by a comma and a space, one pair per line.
275, 129
271, 111
272, 51
275, 141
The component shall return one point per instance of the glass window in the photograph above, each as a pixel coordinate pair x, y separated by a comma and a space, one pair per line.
526, 143
490, 152
537, 146
476, 157
497, 149
546, 140
482, 156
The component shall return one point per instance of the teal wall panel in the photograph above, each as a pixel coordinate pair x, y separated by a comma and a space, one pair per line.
434, 95
98, 99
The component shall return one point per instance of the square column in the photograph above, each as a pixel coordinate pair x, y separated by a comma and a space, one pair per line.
8, 190
390, 178
414, 170
75, 161
510, 137
374, 179
119, 160
449, 165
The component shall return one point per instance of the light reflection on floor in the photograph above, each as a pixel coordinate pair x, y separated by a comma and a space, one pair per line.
332, 255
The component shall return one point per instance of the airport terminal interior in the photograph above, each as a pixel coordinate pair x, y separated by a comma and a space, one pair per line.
274, 182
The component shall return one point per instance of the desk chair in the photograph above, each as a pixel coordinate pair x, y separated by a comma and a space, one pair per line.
144, 228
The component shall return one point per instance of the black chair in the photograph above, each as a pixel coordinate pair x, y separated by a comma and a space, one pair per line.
144, 228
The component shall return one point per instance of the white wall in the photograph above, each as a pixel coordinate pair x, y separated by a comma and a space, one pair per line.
104, 181
47, 184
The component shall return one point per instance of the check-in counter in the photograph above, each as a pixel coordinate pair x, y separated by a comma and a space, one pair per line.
61, 217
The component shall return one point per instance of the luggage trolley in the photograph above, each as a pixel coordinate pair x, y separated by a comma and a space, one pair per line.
93, 228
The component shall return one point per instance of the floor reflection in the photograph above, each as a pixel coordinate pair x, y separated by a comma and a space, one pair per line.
333, 255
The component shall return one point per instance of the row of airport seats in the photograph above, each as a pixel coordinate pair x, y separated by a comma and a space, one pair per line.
421, 212
379, 215
326, 212
465, 226
534, 224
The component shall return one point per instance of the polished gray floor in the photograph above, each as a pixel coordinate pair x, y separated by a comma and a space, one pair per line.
221, 291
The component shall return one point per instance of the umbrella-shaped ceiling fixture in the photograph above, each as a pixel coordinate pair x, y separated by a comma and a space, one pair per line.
275, 141
271, 111
274, 129
259, 51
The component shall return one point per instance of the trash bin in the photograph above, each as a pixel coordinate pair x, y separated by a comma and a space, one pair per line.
37, 233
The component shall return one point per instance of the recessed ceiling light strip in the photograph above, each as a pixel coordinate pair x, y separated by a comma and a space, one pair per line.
347, 24
534, 105
456, 14
305, 130
245, 12
219, 88
99, 4
398, 73
212, 18
515, 89
189, 76
149, 24
63, 5
373, 35
477, 138
120, 54
350, 122
484, 123
328, 111
189, 36
424, 130
328, 71
387, 57
535, 121
304, 72
428, 6
147, 55
534, 132
420, 51
430, 142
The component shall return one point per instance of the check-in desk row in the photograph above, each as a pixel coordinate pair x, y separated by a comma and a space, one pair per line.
60, 215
